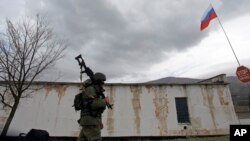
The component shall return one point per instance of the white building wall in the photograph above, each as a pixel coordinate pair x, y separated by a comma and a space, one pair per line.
139, 110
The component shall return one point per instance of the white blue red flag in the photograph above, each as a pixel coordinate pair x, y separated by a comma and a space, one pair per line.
207, 17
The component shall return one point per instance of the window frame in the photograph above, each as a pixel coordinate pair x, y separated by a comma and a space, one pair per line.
182, 118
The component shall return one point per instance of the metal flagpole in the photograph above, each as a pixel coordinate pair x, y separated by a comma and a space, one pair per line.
226, 36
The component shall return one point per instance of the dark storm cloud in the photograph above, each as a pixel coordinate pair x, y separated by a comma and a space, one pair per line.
232, 9
119, 43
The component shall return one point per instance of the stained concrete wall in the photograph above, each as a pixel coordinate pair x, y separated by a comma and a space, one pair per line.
139, 110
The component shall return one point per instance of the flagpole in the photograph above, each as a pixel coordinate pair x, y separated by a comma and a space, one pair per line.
226, 36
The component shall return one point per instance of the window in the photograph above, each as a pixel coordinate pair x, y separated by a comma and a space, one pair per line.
182, 110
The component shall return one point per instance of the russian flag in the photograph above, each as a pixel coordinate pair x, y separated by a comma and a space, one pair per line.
207, 17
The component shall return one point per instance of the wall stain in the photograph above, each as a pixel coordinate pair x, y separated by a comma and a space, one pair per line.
110, 117
222, 99
2, 121
48, 88
184, 88
60, 89
149, 87
210, 97
204, 95
136, 91
161, 109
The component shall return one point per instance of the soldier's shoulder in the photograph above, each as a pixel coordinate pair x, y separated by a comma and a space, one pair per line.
87, 82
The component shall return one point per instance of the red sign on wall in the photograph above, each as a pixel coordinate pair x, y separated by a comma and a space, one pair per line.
243, 74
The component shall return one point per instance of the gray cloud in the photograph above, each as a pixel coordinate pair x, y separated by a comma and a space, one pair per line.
122, 43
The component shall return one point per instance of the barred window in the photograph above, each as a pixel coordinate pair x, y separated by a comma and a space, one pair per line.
182, 110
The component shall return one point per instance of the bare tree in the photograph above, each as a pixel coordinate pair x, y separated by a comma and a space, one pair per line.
26, 49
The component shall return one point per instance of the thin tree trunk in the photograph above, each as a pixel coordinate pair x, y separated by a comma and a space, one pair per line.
12, 113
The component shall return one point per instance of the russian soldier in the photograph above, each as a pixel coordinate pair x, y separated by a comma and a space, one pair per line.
93, 107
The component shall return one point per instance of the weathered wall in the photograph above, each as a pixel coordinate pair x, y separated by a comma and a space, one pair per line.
139, 110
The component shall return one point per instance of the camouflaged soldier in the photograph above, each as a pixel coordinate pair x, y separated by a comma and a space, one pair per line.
93, 107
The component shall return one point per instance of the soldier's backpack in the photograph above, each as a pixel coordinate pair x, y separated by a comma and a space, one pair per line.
35, 135
98, 104
78, 102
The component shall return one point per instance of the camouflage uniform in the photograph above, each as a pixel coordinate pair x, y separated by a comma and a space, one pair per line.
90, 120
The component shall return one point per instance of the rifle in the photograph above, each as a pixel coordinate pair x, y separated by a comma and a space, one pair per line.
98, 88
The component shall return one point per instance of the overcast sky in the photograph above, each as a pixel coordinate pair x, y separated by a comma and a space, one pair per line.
142, 40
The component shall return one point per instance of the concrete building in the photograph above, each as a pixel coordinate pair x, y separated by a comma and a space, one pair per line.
140, 110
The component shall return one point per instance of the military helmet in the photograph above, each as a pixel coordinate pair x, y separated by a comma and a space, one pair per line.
99, 76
